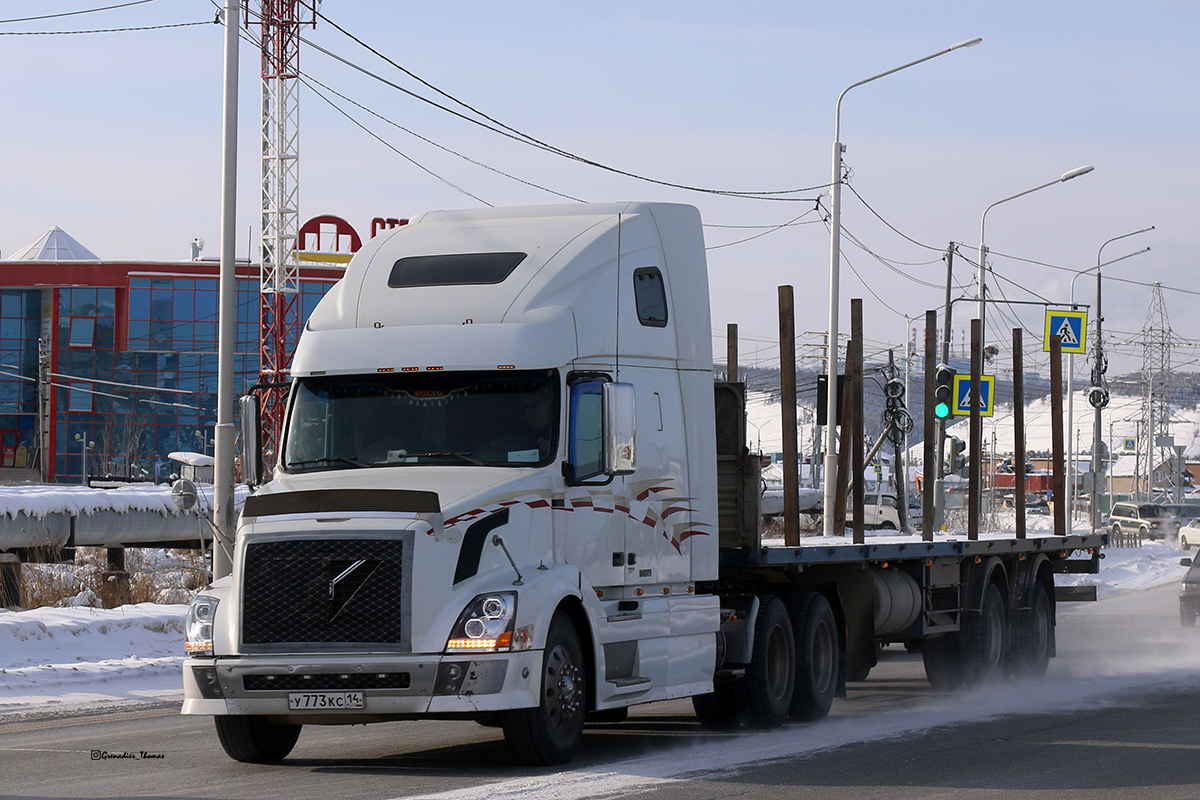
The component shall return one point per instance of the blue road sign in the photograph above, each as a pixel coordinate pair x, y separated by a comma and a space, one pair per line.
1071, 327
962, 395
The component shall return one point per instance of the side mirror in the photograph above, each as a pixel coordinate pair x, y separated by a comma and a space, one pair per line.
620, 429
251, 439
1185, 562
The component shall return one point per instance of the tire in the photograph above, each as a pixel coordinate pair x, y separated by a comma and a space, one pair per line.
608, 715
1033, 636
255, 739
818, 656
1184, 544
551, 732
887, 526
942, 656
765, 692
719, 709
985, 639
1187, 618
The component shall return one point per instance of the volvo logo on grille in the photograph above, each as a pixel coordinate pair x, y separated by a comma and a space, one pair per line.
345, 579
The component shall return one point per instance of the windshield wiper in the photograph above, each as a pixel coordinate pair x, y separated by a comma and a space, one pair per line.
463, 457
326, 460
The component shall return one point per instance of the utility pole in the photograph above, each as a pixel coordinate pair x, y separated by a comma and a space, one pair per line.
223, 439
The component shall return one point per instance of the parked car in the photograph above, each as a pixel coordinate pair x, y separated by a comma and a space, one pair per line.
1184, 512
1189, 593
1151, 520
1189, 534
881, 510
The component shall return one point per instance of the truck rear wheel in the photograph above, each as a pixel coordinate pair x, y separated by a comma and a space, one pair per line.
817, 656
943, 661
766, 689
985, 638
255, 739
1032, 636
551, 732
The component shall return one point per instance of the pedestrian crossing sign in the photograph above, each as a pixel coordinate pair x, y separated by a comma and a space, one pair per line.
962, 395
1071, 326
1131, 444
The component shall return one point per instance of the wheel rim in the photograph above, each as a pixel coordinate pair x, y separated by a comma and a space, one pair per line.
993, 630
562, 688
822, 657
778, 663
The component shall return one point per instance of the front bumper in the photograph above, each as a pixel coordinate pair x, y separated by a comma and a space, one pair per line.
393, 687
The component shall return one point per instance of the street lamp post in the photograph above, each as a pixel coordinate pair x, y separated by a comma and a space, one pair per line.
982, 269
86, 446
835, 236
1098, 380
1071, 399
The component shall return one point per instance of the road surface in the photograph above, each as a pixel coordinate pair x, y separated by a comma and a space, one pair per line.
1115, 718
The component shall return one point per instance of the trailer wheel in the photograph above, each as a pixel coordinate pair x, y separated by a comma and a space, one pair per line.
985, 638
942, 656
719, 709
766, 689
817, 656
1032, 636
255, 739
551, 732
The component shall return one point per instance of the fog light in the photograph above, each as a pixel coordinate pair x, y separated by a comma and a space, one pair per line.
450, 677
206, 679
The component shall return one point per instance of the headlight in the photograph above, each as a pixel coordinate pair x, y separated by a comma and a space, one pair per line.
485, 625
199, 641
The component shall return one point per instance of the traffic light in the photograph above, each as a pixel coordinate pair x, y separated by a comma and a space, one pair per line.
958, 449
943, 392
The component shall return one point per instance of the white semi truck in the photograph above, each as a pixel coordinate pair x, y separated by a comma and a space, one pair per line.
508, 491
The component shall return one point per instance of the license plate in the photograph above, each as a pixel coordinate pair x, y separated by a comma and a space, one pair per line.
308, 701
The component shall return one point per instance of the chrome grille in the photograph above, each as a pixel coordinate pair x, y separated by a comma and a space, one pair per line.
330, 591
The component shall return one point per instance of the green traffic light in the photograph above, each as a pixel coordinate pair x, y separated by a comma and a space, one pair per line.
941, 410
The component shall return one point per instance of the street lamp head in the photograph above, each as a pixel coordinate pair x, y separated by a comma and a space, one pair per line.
967, 43
1075, 173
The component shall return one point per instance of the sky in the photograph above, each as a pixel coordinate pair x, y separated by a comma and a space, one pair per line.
116, 137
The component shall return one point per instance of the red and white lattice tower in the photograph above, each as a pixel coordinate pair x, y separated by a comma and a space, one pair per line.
279, 321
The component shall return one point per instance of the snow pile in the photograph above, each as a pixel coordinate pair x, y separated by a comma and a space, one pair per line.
78, 657
38, 500
1128, 569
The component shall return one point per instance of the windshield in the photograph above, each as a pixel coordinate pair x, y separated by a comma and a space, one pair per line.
1152, 511
404, 419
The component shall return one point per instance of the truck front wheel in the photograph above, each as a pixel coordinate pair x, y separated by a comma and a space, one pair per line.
817, 656
551, 732
255, 739
766, 689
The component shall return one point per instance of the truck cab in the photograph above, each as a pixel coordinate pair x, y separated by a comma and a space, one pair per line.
462, 522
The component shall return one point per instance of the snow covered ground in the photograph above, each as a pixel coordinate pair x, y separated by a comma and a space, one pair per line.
59, 659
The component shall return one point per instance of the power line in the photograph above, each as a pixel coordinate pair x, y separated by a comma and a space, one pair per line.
501, 128
75, 13
106, 30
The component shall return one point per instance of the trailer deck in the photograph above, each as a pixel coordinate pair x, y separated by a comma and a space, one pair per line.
893, 547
